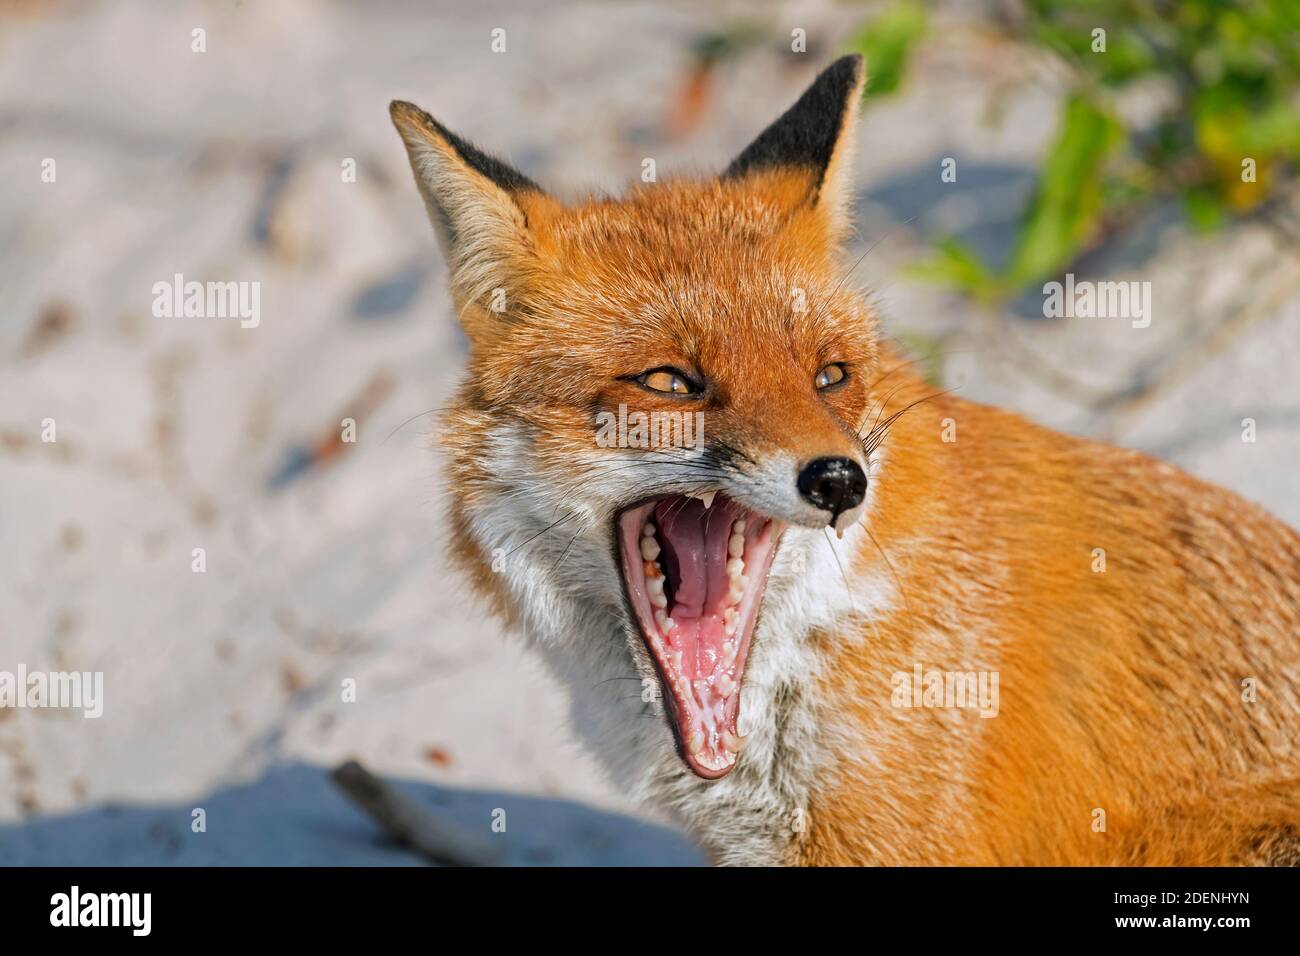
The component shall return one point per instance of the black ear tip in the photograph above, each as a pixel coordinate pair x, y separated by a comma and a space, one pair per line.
411, 121
404, 114
854, 64
806, 134
845, 74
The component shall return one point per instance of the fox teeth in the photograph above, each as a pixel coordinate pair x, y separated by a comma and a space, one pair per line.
665, 622
736, 580
739, 526
728, 648
736, 546
697, 743
732, 742
726, 686
649, 548
704, 496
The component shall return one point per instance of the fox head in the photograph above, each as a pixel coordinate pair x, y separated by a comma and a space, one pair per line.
663, 418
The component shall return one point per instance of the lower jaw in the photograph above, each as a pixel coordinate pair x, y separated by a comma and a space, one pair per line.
699, 657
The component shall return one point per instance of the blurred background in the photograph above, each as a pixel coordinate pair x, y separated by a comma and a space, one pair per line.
1003, 144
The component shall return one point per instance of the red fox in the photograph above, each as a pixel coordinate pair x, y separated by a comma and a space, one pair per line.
851, 620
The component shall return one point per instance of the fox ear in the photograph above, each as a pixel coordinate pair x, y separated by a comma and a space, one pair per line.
473, 201
815, 138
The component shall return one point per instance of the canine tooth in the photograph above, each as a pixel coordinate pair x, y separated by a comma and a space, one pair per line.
739, 526
697, 743
649, 548
726, 686
735, 566
732, 742
704, 496
736, 546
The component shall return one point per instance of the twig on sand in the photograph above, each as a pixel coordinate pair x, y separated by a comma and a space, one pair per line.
409, 823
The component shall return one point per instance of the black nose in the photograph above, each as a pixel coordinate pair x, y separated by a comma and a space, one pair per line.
833, 484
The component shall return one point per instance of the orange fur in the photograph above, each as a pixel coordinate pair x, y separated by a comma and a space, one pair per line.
1121, 690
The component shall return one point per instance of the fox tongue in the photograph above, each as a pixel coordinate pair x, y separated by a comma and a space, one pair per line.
695, 578
708, 663
695, 542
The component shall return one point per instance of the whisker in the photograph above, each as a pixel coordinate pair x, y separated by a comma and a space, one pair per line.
847, 589
897, 580
555, 567
554, 524
431, 411
610, 679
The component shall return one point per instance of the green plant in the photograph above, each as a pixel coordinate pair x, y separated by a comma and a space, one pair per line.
1228, 134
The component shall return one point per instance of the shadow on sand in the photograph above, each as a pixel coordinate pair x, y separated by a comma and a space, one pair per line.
294, 816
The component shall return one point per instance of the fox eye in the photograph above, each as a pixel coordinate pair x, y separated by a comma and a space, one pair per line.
831, 375
666, 380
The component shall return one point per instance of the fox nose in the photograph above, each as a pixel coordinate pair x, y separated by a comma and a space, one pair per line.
833, 484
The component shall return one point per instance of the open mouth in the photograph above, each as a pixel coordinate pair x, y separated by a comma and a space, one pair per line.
695, 570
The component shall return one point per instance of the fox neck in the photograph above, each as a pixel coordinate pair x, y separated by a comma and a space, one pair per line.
562, 593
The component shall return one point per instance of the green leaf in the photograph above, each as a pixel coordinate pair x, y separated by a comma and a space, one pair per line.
957, 266
886, 43
1204, 208
1067, 203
